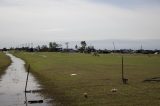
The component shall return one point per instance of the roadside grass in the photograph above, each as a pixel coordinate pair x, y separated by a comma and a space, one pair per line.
96, 76
4, 63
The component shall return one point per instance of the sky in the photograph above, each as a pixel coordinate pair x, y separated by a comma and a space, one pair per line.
23, 21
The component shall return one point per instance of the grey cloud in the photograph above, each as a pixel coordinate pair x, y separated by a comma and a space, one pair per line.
43, 20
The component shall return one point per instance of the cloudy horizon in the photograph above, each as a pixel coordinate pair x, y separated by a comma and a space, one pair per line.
23, 21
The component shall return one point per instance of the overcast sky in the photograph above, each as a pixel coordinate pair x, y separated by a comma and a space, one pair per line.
68, 20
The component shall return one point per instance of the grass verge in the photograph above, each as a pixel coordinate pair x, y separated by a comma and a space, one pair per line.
4, 63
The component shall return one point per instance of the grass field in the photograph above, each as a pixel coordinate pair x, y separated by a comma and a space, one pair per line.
96, 76
4, 62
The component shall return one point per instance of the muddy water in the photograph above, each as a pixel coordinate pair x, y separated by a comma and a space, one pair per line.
12, 86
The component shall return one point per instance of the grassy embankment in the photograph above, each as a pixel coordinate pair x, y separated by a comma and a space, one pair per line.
4, 63
96, 76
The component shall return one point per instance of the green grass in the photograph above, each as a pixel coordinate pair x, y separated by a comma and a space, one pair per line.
4, 63
96, 76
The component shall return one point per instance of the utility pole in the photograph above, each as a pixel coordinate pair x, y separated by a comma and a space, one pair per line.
67, 43
114, 47
141, 47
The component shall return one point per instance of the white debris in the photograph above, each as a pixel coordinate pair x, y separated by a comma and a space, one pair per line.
156, 53
73, 74
114, 90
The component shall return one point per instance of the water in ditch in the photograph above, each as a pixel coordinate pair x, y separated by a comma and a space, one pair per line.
12, 86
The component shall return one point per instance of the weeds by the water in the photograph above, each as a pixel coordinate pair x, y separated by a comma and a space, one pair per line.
4, 63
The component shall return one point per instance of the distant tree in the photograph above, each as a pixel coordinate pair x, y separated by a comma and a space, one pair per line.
76, 47
50, 45
90, 49
83, 46
4, 49
53, 46
38, 48
44, 48
11, 48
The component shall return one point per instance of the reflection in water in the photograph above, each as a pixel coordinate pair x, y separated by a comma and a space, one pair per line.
12, 86
26, 101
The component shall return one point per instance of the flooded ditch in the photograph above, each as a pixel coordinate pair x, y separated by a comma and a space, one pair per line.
12, 87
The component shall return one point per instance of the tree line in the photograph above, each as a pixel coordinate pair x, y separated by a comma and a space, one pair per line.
83, 48
56, 47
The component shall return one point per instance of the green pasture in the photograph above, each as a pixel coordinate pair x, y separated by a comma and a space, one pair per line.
4, 63
96, 76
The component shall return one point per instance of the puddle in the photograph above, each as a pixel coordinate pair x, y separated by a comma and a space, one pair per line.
12, 86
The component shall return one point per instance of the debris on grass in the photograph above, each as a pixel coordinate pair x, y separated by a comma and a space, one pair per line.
156, 53
114, 90
33, 102
73, 74
85, 95
33, 91
154, 79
